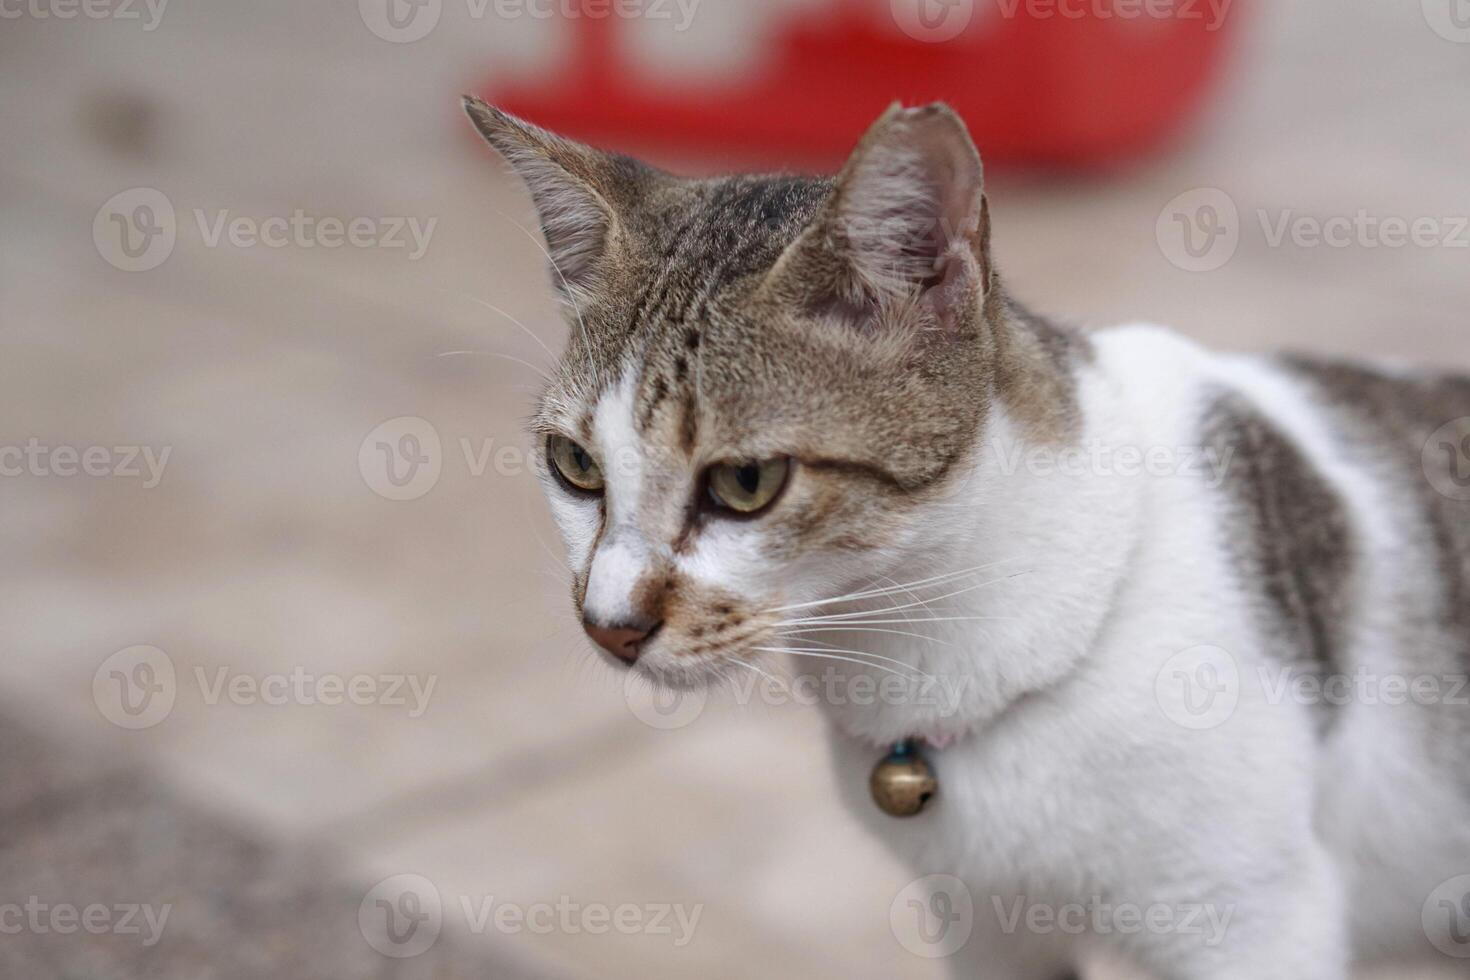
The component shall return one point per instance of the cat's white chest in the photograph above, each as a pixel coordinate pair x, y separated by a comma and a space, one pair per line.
989, 822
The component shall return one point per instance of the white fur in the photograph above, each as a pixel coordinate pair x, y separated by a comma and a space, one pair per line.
623, 555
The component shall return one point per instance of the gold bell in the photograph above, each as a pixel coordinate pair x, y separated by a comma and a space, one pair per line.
902, 784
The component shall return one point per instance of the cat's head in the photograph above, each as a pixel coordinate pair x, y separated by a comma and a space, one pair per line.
772, 385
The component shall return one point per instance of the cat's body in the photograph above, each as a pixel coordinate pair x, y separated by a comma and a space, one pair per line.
800, 414
1319, 830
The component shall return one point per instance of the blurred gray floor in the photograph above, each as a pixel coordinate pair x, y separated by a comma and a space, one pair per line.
263, 550
185, 893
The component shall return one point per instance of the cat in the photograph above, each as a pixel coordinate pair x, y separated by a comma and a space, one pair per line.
802, 414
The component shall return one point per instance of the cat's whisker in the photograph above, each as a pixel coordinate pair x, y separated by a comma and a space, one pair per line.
509, 357
768, 676
865, 653
864, 593
553, 573
888, 590
885, 610
858, 629
922, 602
905, 590
566, 286
937, 580
809, 639
868, 616
726, 681
838, 624
822, 655
558, 561
493, 308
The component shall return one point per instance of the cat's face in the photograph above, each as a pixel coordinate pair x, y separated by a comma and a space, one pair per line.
772, 384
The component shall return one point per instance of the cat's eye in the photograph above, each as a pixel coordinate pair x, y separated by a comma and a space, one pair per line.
747, 488
574, 464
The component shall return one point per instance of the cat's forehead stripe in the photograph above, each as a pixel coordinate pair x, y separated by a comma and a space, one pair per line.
731, 229
664, 274
656, 393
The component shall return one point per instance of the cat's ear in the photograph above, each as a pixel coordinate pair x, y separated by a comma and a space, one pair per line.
573, 186
907, 221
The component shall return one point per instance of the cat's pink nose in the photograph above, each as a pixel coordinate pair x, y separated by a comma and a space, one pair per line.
623, 641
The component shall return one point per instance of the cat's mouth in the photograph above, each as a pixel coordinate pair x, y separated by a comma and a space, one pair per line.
676, 675
690, 659
685, 639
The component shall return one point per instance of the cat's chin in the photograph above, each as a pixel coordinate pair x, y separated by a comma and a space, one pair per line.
677, 676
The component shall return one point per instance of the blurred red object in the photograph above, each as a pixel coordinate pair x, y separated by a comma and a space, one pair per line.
1057, 83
